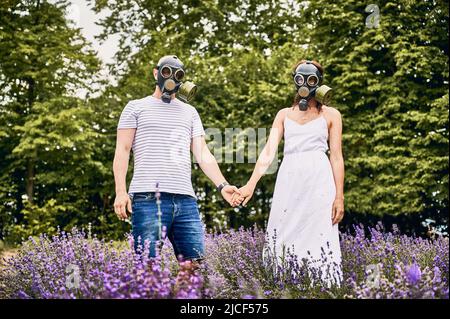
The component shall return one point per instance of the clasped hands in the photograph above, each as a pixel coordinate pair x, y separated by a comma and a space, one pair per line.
237, 196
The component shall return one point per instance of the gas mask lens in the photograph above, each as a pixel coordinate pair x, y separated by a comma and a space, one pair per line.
179, 75
312, 80
299, 80
166, 71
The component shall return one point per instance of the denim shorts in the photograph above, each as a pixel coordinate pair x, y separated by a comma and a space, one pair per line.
180, 218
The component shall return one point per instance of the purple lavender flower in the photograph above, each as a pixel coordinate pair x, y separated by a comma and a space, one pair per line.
238, 264
414, 274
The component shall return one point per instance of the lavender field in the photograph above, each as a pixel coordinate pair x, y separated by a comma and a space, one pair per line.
376, 264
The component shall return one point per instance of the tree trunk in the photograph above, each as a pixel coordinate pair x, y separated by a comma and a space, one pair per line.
30, 180
30, 164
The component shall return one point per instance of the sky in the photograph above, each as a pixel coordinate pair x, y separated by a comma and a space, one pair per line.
85, 19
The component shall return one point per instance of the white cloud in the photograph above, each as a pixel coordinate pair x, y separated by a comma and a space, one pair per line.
85, 19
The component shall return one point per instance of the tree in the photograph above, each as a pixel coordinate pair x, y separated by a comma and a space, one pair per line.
47, 140
391, 84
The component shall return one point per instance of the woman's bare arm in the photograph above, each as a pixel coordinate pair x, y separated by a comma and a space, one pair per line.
267, 155
337, 163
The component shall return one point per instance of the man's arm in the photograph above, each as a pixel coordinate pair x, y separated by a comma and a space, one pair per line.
209, 166
125, 139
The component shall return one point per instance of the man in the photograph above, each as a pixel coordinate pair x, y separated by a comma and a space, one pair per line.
162, 130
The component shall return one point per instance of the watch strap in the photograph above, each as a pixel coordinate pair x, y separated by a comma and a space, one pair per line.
221, 186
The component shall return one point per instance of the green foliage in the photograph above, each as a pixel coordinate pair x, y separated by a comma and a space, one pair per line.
37, 220
49, 138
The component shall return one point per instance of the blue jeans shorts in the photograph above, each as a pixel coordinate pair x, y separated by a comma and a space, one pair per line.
181, 218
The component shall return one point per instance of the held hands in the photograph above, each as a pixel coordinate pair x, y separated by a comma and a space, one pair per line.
244, 195
235, 196
229, 192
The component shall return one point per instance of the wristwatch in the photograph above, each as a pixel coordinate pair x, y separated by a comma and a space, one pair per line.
221, 186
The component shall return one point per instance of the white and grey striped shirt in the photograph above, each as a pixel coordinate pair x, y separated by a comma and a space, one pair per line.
161, 146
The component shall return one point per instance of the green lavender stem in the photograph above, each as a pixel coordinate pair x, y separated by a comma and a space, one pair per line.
159, 213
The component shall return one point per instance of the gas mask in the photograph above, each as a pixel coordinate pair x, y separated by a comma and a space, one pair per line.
308, 80
169, 79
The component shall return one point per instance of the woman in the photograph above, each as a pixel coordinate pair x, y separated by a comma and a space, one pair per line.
308, 200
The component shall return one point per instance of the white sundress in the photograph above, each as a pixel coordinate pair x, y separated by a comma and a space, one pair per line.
303, 198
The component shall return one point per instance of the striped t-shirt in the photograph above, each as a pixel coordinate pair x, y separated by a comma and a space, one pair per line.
162, 143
